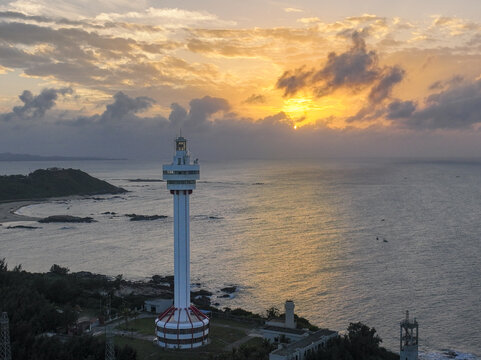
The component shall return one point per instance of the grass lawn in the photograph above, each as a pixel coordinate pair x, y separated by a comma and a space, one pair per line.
239, 324
145, 326
145, 350
255, 341
222, 333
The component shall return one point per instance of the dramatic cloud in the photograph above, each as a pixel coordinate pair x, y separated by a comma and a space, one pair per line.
125, 106
255, 99
34, 107
400, 109
440, 85
353, 70
199, 113
383, 88
458, 107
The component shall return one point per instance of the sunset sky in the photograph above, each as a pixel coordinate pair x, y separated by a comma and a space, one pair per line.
242, 79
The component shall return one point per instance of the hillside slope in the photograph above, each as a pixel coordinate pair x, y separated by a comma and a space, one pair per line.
53, 182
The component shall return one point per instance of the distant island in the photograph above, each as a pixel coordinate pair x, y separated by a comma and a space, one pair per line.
53, 182
28, 157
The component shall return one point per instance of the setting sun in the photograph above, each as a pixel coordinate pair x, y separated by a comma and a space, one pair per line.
297, 108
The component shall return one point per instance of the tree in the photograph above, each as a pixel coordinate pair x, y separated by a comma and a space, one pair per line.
59, 270
118, 281
3, 265
272, 312
18, 268
363, 340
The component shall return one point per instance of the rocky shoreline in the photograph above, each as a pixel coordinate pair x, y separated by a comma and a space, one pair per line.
163, 287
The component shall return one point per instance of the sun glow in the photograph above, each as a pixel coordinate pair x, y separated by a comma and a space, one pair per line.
305, 110
297, 107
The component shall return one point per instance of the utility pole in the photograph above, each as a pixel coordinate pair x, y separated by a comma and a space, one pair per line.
5, 351
109, 343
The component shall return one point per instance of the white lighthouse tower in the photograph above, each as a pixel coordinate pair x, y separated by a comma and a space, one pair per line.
182, 326
409, 339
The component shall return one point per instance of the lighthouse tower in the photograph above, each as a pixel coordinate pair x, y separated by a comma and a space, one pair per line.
182, 326
409, 339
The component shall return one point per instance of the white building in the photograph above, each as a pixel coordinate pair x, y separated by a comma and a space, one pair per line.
182, 326
300, 349
293, 343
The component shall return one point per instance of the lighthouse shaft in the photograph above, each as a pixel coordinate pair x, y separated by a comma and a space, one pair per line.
181, 250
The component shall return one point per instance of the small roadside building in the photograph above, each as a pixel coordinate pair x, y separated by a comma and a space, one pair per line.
157, 306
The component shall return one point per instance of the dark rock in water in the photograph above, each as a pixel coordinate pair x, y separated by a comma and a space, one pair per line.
66, 219
145, 180
135, 217
384, 240
201, 292
23, 227
109, 213
169, 279
229, 289
201, 301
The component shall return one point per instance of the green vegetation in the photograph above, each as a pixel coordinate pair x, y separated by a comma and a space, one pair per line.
38, 304
53, 183
360, 343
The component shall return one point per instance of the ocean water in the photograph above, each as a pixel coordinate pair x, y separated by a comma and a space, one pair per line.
347, 240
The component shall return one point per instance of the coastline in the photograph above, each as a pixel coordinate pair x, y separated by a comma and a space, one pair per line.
7, 210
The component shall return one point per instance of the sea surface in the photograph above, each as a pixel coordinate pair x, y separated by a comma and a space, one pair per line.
347, 240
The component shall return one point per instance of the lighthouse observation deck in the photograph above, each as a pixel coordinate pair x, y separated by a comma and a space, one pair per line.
181, 174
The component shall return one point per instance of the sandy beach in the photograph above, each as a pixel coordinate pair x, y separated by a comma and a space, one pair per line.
7, 210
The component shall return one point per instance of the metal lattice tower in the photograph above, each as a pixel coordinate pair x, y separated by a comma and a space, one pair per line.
109, 343
409, 338
5, 351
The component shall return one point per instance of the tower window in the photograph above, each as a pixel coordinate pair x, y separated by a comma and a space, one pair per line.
181, 146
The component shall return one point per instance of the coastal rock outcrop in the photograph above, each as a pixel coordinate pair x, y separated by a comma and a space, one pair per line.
66, 219
135, 217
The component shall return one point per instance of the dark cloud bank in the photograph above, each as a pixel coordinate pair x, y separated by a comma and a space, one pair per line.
215, 132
